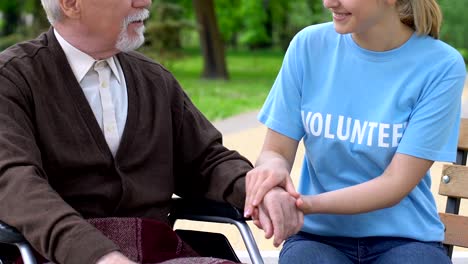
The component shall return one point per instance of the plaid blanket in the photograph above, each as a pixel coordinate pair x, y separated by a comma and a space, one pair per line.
148, 241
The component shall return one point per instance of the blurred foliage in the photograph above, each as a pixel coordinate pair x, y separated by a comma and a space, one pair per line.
291, 17
164, 29
464, 53
20, 19
244, 24
253, 31
9, 40
266, 23
254, 24
11, 12
455, 25
229, 20
246, 89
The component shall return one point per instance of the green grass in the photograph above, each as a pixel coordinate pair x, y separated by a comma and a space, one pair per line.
251, 77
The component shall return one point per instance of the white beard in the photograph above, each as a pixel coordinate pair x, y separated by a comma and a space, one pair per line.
125, 42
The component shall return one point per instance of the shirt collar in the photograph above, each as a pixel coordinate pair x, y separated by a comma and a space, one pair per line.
81, 62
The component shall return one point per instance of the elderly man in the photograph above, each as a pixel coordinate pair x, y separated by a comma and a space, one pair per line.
90, 129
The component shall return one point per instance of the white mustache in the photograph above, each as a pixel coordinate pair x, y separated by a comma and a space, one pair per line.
138, 16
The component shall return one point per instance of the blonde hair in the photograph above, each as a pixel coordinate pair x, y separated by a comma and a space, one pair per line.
424, 16
52, 9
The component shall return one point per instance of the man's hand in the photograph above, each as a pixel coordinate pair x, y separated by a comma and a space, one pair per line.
278, 216
114, 257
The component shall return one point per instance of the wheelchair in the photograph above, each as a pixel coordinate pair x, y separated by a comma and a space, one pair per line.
206, 244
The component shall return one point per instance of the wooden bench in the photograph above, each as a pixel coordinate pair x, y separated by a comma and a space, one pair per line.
454, 185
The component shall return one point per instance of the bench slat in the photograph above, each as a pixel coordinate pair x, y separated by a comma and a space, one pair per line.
456, 232
458, 184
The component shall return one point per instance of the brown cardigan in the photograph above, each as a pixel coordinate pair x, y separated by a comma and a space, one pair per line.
56, 167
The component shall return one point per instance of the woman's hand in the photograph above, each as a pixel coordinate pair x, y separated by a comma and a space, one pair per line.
272, 169
264, 178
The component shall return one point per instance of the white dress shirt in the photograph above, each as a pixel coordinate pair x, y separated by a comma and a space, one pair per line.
82, 66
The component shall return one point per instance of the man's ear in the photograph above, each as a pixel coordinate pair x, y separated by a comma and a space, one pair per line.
71, 8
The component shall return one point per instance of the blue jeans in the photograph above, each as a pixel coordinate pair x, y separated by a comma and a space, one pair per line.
312, 249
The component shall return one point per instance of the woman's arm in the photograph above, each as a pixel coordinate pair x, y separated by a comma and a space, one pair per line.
401, 176
272, 169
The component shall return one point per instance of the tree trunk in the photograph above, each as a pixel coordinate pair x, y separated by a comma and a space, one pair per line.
210, 40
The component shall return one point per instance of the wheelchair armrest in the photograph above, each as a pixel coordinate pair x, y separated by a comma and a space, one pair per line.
192, 209
217, 212
9, 235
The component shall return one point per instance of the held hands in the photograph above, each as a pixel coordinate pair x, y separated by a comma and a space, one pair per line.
270, 194
304, 203
114, 257
262, 179
278, 216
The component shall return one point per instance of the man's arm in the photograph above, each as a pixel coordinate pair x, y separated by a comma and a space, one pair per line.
29, 203
235, 193
204, 167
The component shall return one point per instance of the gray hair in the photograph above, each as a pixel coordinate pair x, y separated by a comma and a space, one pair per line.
52, 9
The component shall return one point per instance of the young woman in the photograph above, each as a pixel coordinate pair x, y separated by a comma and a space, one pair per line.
375, 96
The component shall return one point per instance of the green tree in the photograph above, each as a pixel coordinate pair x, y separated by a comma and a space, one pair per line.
454, 27
165, 27
290, 17
11, 12
229, 20
255, 18
22, 20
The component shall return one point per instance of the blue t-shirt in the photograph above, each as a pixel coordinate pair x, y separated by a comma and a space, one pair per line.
354, 108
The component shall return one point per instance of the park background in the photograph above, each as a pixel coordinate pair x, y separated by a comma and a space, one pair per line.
226, 54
